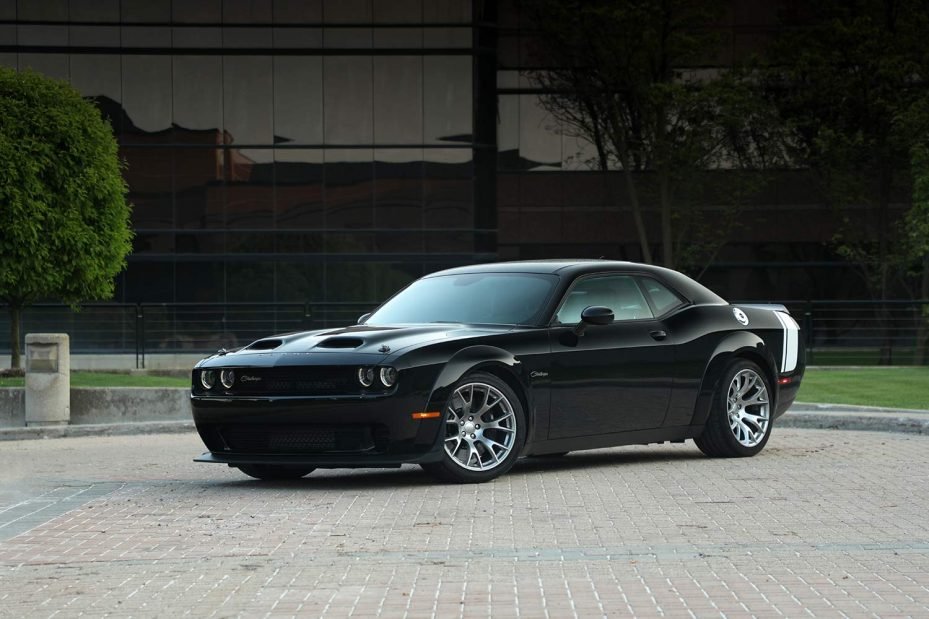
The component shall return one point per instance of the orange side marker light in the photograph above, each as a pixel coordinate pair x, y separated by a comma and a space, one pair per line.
427, 415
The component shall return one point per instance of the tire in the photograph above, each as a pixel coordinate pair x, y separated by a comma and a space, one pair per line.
479, 446
741, 418
274, 472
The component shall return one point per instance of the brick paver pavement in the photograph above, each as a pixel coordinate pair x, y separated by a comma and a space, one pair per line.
822, 523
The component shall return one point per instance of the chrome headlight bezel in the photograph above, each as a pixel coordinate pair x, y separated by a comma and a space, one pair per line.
207, 379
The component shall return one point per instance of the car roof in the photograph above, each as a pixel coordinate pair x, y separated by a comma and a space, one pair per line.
570, 269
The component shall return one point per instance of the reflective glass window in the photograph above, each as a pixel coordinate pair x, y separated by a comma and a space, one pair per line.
446, 11
147, 88
247, 11
249, 188
298, 281
199, 191
349, 195
197, 37
620, 293
94, 36
198, 98
398, 96
448, 191
298, 194
42, 35
346, 11
398, 11
52, 65
298, 11
202, 281
539, 135
663, 298
145, 11
352, 281
145, 36
398, 198
447, 99
202, 11
150, 175
149, 282
95, 75
477, 298
247, 100
94, 10
49, 10
298, 99
348, 104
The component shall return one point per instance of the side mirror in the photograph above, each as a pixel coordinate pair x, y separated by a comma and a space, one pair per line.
596, 315
363, 318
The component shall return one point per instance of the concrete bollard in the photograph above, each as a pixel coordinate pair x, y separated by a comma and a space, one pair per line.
48, 379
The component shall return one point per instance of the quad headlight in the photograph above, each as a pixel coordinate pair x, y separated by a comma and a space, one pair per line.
387, 376
208, 379
366, 376
227, 378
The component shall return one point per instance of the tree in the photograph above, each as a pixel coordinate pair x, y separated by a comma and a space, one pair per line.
850, 83
616, 73
66, 231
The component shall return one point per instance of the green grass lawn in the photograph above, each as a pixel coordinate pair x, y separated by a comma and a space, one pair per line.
898, 387
106, 379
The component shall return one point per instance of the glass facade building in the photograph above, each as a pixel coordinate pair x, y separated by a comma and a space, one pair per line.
333, 150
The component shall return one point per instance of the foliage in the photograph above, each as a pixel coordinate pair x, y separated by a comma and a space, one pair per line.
616, 74
850, 85
65, 232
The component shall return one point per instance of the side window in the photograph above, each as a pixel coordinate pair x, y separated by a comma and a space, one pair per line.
617, 292
662, 298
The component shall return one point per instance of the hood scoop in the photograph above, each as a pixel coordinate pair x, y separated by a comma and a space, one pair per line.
264, 345
341, 342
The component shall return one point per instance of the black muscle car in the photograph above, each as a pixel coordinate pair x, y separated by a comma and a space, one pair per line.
465, 370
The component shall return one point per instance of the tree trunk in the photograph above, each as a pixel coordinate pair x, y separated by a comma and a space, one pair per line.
667, 241
886, 355
16, 312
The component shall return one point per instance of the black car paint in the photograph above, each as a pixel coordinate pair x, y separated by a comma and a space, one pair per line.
657, 375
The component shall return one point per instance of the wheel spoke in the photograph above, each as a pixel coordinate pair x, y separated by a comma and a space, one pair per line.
748, 389
481, 411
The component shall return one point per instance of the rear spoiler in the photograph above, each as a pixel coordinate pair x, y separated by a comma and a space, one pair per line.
776, 307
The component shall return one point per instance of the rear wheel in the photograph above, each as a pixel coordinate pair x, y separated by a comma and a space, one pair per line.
740, 420
274, 472
484, 431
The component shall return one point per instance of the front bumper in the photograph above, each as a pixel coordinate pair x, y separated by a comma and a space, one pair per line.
320, 431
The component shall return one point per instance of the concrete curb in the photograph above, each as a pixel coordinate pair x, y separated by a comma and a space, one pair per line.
96, 429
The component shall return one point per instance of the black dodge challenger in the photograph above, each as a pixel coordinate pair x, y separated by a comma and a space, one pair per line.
466, 370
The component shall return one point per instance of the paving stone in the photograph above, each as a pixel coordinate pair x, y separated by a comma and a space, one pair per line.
822, 523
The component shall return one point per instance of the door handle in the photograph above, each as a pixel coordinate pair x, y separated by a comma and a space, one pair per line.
658, 335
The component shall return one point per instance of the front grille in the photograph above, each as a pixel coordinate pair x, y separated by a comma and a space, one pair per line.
308, 380
304, 439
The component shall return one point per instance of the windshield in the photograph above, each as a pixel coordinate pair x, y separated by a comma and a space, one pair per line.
474, 298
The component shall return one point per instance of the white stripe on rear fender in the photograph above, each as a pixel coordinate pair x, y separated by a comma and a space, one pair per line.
790, 350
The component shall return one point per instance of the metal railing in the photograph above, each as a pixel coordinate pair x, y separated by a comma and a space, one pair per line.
835, 332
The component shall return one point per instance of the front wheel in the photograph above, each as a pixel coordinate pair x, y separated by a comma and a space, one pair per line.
274, 472
740, 420
484, 431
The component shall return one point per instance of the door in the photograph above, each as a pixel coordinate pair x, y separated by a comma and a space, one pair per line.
613, 378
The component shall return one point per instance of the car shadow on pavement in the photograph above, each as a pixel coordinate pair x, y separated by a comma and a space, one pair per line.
601, 458
413, 476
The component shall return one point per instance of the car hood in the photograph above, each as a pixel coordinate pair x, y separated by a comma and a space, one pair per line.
363, 339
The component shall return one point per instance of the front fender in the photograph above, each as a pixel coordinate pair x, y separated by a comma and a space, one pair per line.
489, 359
742, 344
